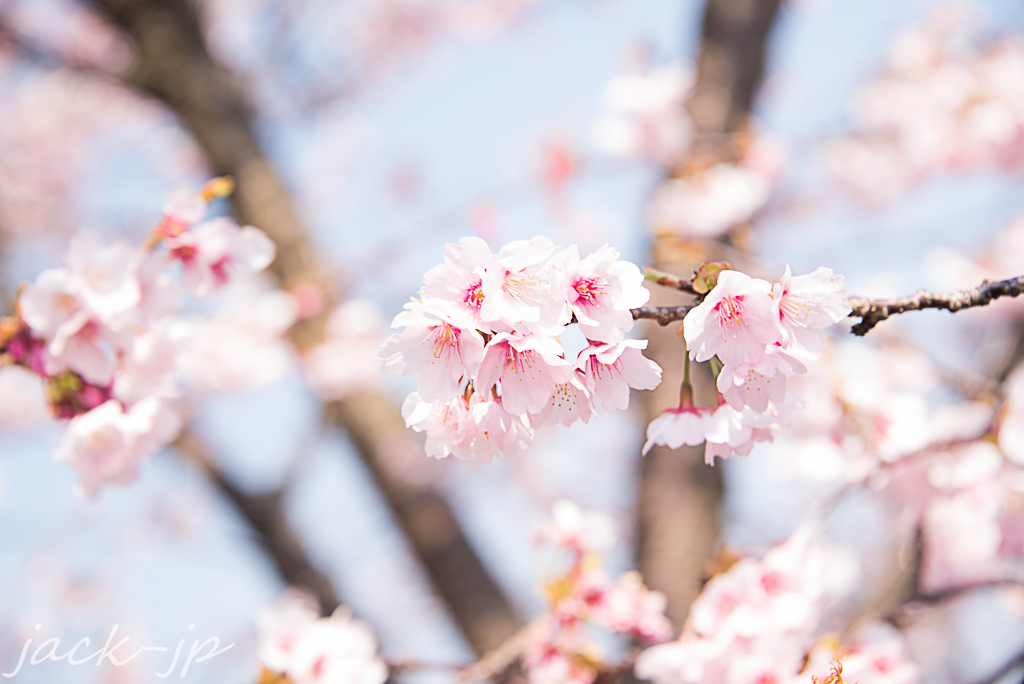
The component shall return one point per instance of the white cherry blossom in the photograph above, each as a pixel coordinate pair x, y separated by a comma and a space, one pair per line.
612, 369
735, 321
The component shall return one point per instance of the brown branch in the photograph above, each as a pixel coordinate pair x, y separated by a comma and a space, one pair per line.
266, 517
662, 315
873, 311
173, 64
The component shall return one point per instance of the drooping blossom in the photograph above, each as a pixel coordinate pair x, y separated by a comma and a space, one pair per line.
474, 429
676, 427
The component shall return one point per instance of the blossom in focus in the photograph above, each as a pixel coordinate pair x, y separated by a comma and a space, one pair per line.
676, 427
529, 367
612, 369
808, 303
735, 321
601, 291
439, 345
522, 287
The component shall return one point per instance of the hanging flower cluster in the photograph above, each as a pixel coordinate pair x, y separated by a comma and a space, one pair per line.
482, 340
103, 334
559, 648
756, 333
296, 646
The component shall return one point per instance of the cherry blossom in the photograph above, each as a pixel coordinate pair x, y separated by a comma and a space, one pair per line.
602, 290
295, 641
675, 427
734, 322
107, 444
440, 345
808, 303
523, 286
612, 369
211, 252
347, 360
529, 367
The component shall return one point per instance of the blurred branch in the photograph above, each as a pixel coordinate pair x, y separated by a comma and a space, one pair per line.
679, 497
265, 515
873, 311
174, 65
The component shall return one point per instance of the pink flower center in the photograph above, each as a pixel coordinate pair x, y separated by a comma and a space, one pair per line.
447, 341
474, 296
589, 290
730, 312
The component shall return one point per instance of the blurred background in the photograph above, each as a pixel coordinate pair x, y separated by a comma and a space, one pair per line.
366, 134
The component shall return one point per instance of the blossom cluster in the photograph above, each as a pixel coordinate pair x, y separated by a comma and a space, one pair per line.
939, 107
295, 643
759, 620
760, 333
483, 341
103, 333
559, 649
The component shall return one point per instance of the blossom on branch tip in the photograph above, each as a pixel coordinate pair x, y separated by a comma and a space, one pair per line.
212, 251
735, 321
808, 303
678, 426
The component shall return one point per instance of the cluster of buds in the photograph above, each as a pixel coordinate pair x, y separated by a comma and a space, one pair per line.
560, 649
483, 341
102, 332
755, 333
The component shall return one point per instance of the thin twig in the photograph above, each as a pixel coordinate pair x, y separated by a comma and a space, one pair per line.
873, 311
662, 314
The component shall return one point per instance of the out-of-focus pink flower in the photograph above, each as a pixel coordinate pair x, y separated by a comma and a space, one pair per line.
578, 530
295, 641
107, 444
710, 203
212, 251
347, 360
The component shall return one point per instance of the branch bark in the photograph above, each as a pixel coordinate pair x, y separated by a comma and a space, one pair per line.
266, 517
173, 64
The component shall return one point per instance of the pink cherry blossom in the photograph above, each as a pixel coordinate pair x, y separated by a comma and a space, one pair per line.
579, 530
602, 290
678, 426
473, 429
347, 361
439, 345
460, 278
107, 444
523, 287
336, 650
808, 303
735, 321
212, 251
756, 384
280, 627
629, 607
571, 401
612, 369
529, 367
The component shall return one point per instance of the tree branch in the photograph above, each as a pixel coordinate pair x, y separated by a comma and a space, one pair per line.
873, 311
266, 517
